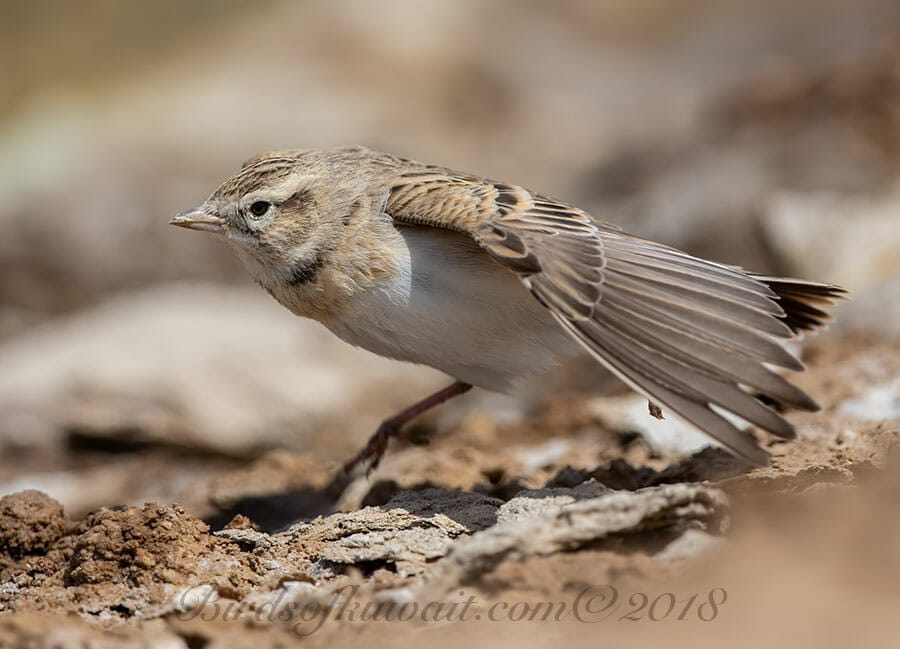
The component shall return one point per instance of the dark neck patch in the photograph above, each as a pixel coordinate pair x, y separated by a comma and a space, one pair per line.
305, 272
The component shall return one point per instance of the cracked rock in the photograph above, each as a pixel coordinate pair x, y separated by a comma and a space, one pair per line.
473, 510
537, 502
569, 524
372, 534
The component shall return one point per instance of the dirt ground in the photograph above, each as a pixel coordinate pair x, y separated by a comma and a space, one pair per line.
555, 513
169, 436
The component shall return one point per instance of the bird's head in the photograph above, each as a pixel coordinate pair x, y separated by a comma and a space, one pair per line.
281, 213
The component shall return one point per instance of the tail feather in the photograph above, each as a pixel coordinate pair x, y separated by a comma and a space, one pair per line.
804, 302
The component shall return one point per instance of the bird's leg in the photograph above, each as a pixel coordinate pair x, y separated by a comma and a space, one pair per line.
391, 427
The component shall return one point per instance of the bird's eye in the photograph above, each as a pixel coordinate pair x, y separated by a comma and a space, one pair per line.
258, 208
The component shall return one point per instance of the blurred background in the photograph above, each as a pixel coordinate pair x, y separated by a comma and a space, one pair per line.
138, 361
765, 134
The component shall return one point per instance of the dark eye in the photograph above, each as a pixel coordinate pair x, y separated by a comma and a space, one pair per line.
259, 208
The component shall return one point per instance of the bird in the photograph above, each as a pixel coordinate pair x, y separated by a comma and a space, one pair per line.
492, 283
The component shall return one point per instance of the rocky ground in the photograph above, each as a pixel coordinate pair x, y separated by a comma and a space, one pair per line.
559, 508
169, 436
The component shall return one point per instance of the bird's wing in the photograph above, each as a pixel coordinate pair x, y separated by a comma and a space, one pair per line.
687, 333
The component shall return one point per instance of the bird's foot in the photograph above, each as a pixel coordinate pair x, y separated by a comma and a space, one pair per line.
377, 444
374, 449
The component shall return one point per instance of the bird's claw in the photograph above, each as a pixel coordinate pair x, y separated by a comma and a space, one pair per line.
374, 449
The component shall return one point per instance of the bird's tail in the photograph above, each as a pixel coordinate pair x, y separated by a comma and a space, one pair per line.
805, 303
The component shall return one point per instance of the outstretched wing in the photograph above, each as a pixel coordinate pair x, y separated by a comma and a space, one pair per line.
687, 333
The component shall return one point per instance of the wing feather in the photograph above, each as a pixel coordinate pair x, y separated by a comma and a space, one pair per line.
689, 334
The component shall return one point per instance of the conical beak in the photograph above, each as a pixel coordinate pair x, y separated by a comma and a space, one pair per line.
197, 218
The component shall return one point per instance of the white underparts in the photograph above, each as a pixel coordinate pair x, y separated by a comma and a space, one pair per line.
453, 308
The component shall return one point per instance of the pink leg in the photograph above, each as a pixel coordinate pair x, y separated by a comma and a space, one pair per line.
377, 444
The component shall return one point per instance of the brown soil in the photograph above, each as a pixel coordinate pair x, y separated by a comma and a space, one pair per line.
465, 516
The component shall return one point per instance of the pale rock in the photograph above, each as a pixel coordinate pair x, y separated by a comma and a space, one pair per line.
222, 368
849, 241
879, 402
670, 436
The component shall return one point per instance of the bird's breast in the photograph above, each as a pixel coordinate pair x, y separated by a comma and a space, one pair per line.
451, 307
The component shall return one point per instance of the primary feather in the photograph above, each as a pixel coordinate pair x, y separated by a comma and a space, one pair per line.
690, 334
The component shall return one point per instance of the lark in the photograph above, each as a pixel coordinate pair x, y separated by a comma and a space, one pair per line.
491, 283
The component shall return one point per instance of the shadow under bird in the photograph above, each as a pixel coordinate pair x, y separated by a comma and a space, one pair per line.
490, 283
